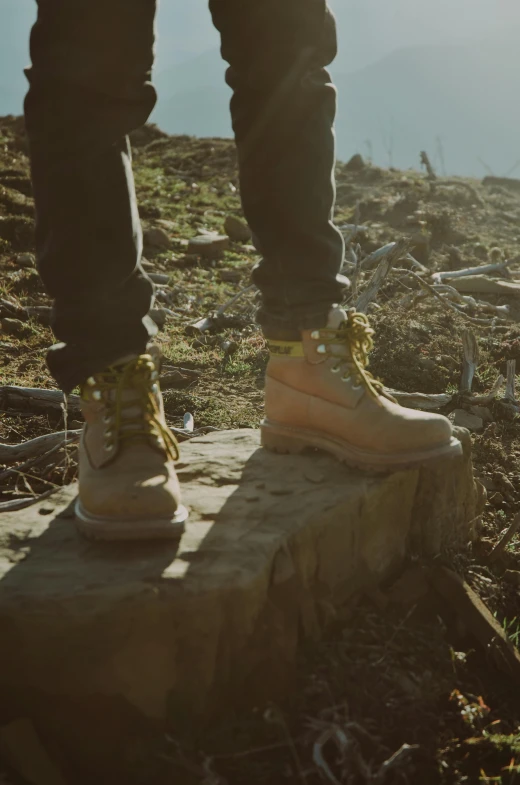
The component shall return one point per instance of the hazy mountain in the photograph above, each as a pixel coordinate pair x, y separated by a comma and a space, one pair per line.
407, 74
463, 96
458, 100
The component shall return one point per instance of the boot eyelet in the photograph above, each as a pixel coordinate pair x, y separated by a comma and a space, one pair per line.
321, 349
96, 395
335, 369
357, 388
109, 446
107, 419
154, 375
108, 435
155, 388
345, 378
91, 381
315, 335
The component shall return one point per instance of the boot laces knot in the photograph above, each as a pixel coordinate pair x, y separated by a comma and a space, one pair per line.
350, 345
130, 395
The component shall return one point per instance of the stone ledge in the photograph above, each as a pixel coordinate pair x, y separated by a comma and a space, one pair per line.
274, 548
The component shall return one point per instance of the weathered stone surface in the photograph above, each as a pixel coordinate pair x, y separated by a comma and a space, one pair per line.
156, 237
208, 245
274, 548
463, 419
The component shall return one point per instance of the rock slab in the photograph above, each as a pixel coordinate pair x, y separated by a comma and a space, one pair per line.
275, 548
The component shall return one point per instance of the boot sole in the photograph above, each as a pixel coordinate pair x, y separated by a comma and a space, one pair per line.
95, 527
284, 440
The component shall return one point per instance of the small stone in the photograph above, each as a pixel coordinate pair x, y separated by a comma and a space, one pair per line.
208, 245
356, 163
156, 238
26, 260
46, 510
14, 327
281, 490
237, 229
463, 419
496, 500
488, 483
483, 412
159, 317
230, 276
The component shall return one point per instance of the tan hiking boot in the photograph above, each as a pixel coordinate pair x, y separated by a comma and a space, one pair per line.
128, 489
319, 394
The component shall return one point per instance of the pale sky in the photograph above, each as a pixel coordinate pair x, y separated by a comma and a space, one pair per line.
367, 28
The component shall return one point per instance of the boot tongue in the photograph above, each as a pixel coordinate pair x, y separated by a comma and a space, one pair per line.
337, 318
131, 401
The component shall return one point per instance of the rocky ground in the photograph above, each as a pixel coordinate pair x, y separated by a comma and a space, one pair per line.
397, 673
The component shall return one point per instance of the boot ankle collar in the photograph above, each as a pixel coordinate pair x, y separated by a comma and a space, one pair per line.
285, 348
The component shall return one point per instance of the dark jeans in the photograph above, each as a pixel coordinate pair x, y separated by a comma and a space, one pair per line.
90, 85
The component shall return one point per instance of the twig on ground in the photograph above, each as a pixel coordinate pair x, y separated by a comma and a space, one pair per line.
470, 361
476, 618
510, 393
12, 453
504, 541
241, 293
208, 323
33, 461
420, 400
481, 284
376, 256
497, 267
20, 504
486, 398
397, 759
451, 306
36, 399
395, 251
477, 305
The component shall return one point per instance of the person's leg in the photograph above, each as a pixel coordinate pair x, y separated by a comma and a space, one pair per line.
89, 86
318, 391
283, 111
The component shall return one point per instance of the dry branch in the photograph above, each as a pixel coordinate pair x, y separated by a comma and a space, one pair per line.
483, 269
394, 252
486, 398
451, 306
510, 394
12, 453
372, 259
470, 362
420, 400
480, 284
504, 541
27, 501
241, 293
35, 399
458, 596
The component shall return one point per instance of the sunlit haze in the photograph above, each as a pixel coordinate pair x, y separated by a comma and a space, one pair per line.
410, 74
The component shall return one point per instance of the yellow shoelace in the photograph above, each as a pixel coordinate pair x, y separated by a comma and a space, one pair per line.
355, 335
140, 377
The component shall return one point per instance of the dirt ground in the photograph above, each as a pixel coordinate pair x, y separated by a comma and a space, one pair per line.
392, 673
